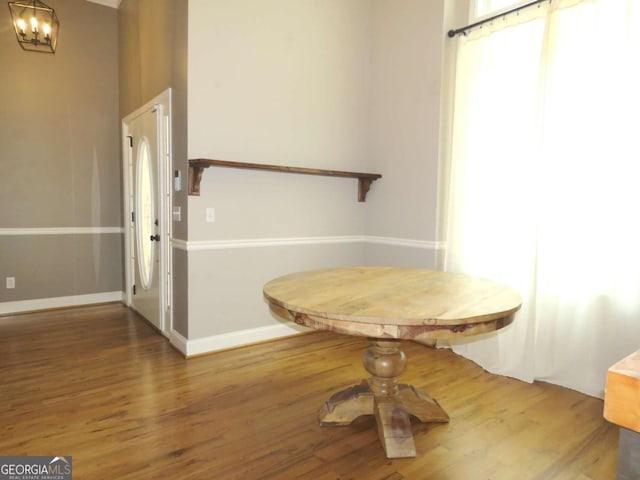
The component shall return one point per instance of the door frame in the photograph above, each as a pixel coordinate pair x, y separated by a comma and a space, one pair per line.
162, 105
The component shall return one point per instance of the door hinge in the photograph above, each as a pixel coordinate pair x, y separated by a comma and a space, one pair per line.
133, 216
134, 289
130, 140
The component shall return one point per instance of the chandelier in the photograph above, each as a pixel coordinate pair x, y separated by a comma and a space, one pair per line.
36, 25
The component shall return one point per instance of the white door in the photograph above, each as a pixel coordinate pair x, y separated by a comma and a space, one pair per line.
147, 207
145, 216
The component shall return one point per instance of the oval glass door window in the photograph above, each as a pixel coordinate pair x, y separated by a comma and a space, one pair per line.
145, 214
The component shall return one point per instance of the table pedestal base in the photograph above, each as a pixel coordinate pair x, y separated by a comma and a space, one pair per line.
380, 395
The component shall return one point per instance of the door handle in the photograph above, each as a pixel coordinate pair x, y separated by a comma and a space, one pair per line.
155, 237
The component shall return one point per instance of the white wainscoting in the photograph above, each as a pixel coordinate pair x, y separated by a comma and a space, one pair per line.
59, 302
197, 346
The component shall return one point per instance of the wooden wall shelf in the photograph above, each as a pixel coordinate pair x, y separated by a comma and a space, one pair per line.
197, 166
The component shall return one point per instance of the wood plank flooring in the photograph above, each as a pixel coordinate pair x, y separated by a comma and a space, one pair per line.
98, 383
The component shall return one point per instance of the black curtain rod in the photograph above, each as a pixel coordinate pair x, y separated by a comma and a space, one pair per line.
458, 31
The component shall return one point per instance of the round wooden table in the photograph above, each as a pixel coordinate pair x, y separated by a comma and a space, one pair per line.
388, 305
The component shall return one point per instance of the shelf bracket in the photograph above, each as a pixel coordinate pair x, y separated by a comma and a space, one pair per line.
364, 184
195, 177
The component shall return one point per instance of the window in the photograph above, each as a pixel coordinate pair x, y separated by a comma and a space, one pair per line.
486, 8
145, 214
544, 185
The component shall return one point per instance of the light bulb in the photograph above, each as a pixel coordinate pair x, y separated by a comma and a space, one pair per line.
22, 25
34, 24
46, 29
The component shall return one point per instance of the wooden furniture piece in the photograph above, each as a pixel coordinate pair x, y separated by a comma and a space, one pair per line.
389, 305
622, 407
197, 166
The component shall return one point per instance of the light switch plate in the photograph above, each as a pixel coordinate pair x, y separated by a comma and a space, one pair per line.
177, 214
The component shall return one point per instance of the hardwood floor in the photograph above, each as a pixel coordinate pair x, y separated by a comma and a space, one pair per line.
100, 384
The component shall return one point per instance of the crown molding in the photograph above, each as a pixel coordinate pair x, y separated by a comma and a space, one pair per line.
107, 3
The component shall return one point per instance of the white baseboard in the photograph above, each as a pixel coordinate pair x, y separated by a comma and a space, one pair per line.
178, 341
225, 341
58, 302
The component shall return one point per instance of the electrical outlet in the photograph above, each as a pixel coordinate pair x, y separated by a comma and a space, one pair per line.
11, 282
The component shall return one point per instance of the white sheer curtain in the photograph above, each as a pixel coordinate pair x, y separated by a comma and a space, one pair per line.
545, 186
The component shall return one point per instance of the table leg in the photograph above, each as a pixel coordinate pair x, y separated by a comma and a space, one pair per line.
381, 396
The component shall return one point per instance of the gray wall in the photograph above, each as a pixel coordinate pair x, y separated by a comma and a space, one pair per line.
404, 131
337, 85
153, 57
352, 85
60, 157
406, 44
